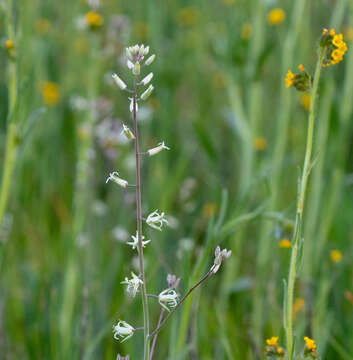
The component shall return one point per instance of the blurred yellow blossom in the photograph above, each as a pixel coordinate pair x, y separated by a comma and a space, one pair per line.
50, 93
93, 19
289, 79
246, 31
284, 243
259, 143
336, 256
310, 344
9, 45
276, 16
141, 30
42, 26
272, 341
209, 210
305, 101
298, 305
187, 16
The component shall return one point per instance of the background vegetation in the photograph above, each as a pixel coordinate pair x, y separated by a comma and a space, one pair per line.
237, 137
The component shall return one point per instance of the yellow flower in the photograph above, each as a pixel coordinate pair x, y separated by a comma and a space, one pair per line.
246, 31
9, 45
259, 143
335, 46
93, 19
209, 210
276, 16
301, 67
284, 243
280, 351
50, 93
42, 26
337, 40
186, 16
310, 344
289, 79
336, 256
305, 101
272, 341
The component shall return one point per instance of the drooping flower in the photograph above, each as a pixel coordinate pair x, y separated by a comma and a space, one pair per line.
133, 284
122, 331
119, 82
128, 133
157, 149
168, 297
156, 220
114, 176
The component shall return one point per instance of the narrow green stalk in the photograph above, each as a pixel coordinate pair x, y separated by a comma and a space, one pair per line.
300, 206
11, 143
146, 326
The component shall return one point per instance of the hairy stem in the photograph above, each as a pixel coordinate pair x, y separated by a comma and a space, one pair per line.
146, 326
300, 206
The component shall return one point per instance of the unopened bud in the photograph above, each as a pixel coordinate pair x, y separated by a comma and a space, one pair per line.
149, 61
147, 93
114, 176
147, 79
128, 133
119, 82
157, 149
136, 69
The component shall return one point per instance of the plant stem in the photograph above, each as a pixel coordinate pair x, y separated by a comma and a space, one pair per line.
300, 206
11, 142
146, 325
156, 334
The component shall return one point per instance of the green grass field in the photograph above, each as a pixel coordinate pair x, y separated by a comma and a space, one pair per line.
237, 139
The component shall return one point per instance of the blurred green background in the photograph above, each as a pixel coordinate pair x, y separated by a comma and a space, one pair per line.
237, 139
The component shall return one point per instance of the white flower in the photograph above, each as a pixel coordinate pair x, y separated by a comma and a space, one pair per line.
156, 220
132, 285
119, 82
168, 297
137, 53
128, 133
114, 176
135, 241
147, 93
132, 105
157, 149
124, 330
219, 257
130, 65
149, 61
147, 79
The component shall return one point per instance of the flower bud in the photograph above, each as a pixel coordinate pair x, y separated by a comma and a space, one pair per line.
136, 69
147, 93
149, 61
147, 79
128, 133
119, 82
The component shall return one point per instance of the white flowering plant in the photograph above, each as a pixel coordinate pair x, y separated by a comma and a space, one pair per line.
168, 299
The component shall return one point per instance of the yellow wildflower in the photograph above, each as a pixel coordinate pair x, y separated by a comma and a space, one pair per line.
280, 351
336, 256
259, 143
289, 79
284, 243
301, 67
246, 31
187, 16
272, 341
50, 93
93, 19
310, 344
276, 16
305, 101
9, 45
42, 26
334, 45
209, 210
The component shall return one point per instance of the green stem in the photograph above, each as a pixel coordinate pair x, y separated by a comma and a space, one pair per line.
300, 206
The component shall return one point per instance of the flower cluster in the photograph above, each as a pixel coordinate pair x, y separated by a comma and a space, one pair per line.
310, 348
334, 47
301, 81
220, 255
273, 349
